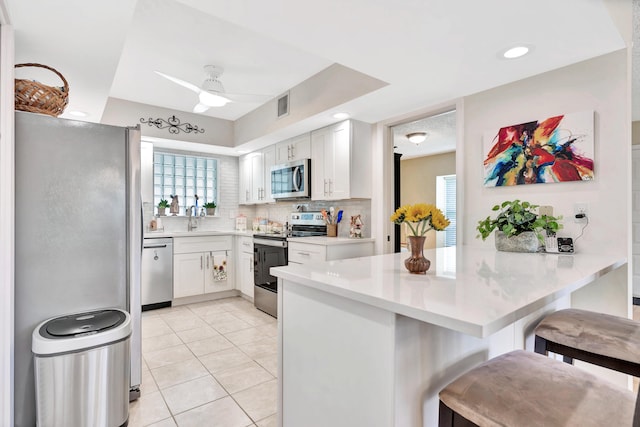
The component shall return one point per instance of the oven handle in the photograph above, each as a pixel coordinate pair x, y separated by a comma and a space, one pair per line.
268, 242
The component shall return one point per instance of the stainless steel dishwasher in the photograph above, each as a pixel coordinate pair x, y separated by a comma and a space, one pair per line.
157, 273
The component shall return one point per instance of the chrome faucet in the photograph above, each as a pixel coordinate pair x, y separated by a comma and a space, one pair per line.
193, 220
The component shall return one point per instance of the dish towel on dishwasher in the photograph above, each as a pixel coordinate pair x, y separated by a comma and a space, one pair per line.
219, 270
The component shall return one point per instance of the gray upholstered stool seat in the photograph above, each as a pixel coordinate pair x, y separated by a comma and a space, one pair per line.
526, 389
601, 339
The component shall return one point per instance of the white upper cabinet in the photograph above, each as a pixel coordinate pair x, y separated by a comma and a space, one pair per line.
268, 160
255, 176
341, 161
297, 148
245, 184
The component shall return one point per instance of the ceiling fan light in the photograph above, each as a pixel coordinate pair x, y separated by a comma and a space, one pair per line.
213, 85
212, 100
417, 137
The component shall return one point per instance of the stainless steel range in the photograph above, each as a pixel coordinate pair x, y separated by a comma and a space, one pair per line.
271, 250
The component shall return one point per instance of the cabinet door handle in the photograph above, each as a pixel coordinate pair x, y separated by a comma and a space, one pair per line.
207, 262
325, 187
288, 152
201, 262
304, 253
293, 155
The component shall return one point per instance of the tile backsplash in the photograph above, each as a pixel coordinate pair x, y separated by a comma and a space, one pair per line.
228, 208
280, 212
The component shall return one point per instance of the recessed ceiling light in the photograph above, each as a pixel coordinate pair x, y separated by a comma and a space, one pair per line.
78, 113
340, 116
515, 52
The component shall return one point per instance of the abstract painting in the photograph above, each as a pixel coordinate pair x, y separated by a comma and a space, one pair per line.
556, 149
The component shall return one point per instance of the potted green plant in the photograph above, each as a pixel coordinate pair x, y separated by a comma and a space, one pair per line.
518, 226
210, 207
164, 204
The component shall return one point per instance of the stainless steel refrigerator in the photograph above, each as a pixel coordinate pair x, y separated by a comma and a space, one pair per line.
78, 233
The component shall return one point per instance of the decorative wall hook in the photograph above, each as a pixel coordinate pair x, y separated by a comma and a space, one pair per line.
173, 124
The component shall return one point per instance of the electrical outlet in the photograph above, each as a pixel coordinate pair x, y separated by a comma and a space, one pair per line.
580, 209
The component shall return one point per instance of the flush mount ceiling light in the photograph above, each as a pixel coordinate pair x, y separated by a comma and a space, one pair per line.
515, 52
417, 137
340, 116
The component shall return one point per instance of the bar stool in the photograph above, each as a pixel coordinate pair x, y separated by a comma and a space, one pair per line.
526, 389
601, 339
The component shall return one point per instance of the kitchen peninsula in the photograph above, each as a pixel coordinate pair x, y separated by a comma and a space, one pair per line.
363, 342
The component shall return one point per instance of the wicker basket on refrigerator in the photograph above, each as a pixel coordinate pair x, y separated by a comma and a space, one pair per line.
36, 97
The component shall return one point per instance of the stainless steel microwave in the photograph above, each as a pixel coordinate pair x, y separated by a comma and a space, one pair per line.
291, 180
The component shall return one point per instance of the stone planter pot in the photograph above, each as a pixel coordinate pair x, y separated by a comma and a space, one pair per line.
161, 211
523, 242
211, 211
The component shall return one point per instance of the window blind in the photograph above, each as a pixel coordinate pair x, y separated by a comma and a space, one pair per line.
450, 209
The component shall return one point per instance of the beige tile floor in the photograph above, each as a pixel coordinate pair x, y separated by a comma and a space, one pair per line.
208, 364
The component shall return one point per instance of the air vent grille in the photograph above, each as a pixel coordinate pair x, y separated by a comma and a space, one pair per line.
283, 105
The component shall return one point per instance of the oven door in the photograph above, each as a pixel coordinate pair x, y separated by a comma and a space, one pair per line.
265, 298
291, 180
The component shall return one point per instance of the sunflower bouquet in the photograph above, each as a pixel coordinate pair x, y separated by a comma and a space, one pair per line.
420, 218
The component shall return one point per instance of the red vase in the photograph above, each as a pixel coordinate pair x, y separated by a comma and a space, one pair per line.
417, 263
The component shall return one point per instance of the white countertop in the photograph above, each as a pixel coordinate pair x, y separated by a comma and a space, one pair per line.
199, 233
315, 240
476, 291
327, 241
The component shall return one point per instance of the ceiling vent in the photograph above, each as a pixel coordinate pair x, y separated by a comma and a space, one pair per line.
283, 105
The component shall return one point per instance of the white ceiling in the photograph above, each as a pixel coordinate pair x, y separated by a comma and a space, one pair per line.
441, 136
429, 51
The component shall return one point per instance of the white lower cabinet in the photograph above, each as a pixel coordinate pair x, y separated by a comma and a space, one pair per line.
188, 274
202, 265
326, 249
244, 266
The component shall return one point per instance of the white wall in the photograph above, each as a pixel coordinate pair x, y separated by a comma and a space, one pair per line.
602, 85
329, 88
598, 84
7, 201
227, 202
120, 112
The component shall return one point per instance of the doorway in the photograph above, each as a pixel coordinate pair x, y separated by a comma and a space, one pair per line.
425, 171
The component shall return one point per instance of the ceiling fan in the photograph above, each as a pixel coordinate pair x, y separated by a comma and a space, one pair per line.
211, 93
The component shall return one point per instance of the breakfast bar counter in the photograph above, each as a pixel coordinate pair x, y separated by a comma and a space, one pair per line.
363, 342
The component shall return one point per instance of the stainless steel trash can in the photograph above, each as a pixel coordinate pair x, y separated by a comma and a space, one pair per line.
82, 369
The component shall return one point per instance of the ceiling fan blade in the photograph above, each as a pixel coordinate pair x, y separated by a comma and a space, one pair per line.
200, 108
248, 97
183, 83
